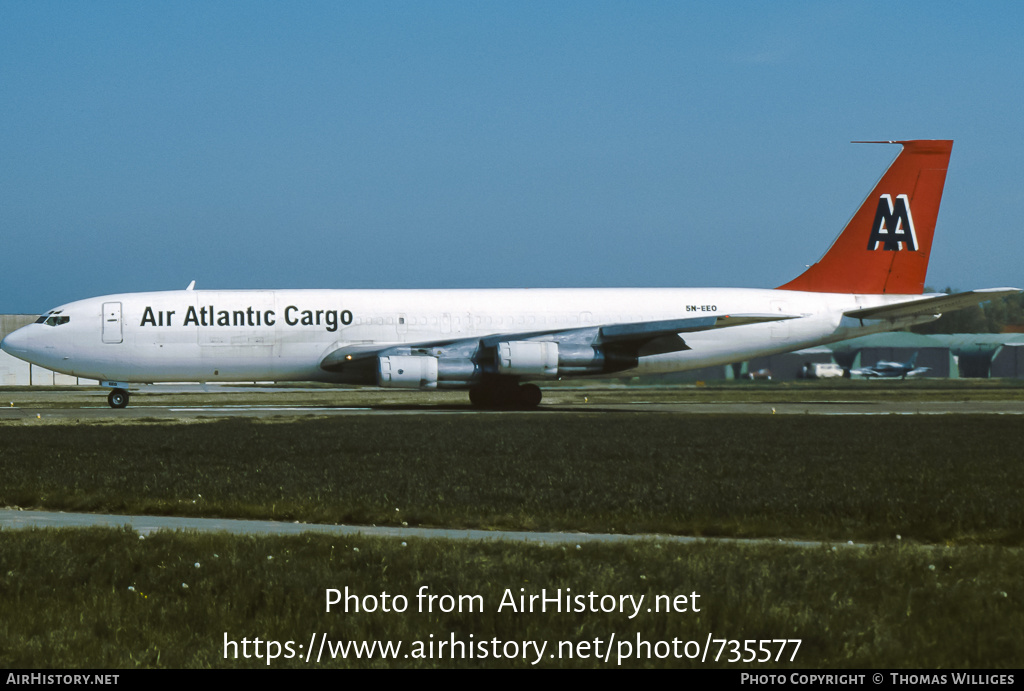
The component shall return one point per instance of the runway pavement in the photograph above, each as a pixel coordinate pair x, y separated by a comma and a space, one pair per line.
184, 403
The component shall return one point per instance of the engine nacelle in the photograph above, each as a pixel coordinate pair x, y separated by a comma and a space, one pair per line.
573, 359
407, 372
550, 359
531, 358
425, 372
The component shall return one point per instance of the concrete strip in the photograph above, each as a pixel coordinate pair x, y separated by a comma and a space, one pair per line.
13, 519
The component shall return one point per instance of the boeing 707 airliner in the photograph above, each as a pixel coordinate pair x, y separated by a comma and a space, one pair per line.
497, 343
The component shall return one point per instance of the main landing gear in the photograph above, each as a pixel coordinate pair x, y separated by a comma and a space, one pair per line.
506, 396
118, 398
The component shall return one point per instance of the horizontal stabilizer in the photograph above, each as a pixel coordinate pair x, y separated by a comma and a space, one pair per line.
932, 305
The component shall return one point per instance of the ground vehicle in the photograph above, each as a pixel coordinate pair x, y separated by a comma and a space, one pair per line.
821, 370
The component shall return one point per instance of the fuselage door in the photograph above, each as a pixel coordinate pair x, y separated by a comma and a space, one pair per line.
112, 322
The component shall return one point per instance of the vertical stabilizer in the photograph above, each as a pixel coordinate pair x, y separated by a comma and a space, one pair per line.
885, 246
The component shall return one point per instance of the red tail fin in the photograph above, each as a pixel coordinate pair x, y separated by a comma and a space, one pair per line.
885, 246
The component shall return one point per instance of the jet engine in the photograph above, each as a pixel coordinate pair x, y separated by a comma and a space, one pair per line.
424, 372
550, 359
532, 358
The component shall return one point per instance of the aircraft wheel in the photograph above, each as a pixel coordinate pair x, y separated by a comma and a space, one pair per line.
530, 395
118, 398
480, 397
489, 397
522, 397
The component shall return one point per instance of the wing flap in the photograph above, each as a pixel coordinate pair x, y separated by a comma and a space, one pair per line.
641, 339
614, 333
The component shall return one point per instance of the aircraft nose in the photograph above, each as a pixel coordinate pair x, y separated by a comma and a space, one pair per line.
17, 343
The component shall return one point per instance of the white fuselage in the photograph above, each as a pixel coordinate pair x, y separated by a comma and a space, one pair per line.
283, 335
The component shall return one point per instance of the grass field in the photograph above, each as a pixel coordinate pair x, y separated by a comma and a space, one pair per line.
106, 598
940, 495
934, 479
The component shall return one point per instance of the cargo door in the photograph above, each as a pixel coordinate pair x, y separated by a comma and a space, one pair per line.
112, 322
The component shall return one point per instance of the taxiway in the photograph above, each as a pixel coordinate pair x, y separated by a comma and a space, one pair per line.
213, 402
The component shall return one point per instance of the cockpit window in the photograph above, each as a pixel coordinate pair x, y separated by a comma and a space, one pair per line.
53, 318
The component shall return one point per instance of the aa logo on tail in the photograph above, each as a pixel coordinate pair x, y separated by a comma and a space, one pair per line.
893, 225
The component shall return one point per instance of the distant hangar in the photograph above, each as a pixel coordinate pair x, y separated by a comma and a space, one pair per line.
949, 356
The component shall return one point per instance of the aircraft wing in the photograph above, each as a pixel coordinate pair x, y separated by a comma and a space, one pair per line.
618, 342
932, 305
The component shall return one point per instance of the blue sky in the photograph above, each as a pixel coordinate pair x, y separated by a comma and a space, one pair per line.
488, 144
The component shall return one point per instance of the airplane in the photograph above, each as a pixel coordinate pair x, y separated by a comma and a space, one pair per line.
497, 343
884, 369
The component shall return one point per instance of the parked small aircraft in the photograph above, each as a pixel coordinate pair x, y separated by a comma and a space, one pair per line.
884, 369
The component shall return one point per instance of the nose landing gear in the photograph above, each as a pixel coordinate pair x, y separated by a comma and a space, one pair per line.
118, 398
